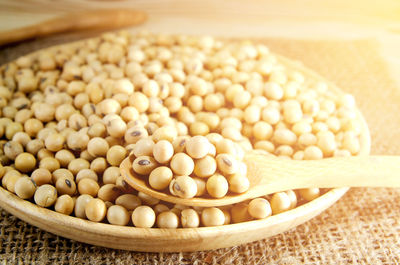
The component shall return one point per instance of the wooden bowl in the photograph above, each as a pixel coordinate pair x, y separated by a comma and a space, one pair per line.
182, 239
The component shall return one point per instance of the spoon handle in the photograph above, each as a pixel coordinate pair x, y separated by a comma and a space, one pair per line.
358, 171
84, 20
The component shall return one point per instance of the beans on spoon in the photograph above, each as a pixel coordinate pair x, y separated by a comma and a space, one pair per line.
269, 175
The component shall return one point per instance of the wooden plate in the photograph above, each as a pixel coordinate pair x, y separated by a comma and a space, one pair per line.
182, 239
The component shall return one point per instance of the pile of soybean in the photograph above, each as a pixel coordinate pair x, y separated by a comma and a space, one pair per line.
71, 113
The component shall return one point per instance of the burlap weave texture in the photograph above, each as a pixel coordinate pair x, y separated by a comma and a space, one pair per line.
362, 228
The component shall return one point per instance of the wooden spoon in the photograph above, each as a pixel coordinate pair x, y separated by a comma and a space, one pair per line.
270, 174
84, 20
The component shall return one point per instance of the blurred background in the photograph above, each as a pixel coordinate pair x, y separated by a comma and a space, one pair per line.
307, 19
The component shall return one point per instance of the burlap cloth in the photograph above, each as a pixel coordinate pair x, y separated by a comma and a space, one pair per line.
362, 228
